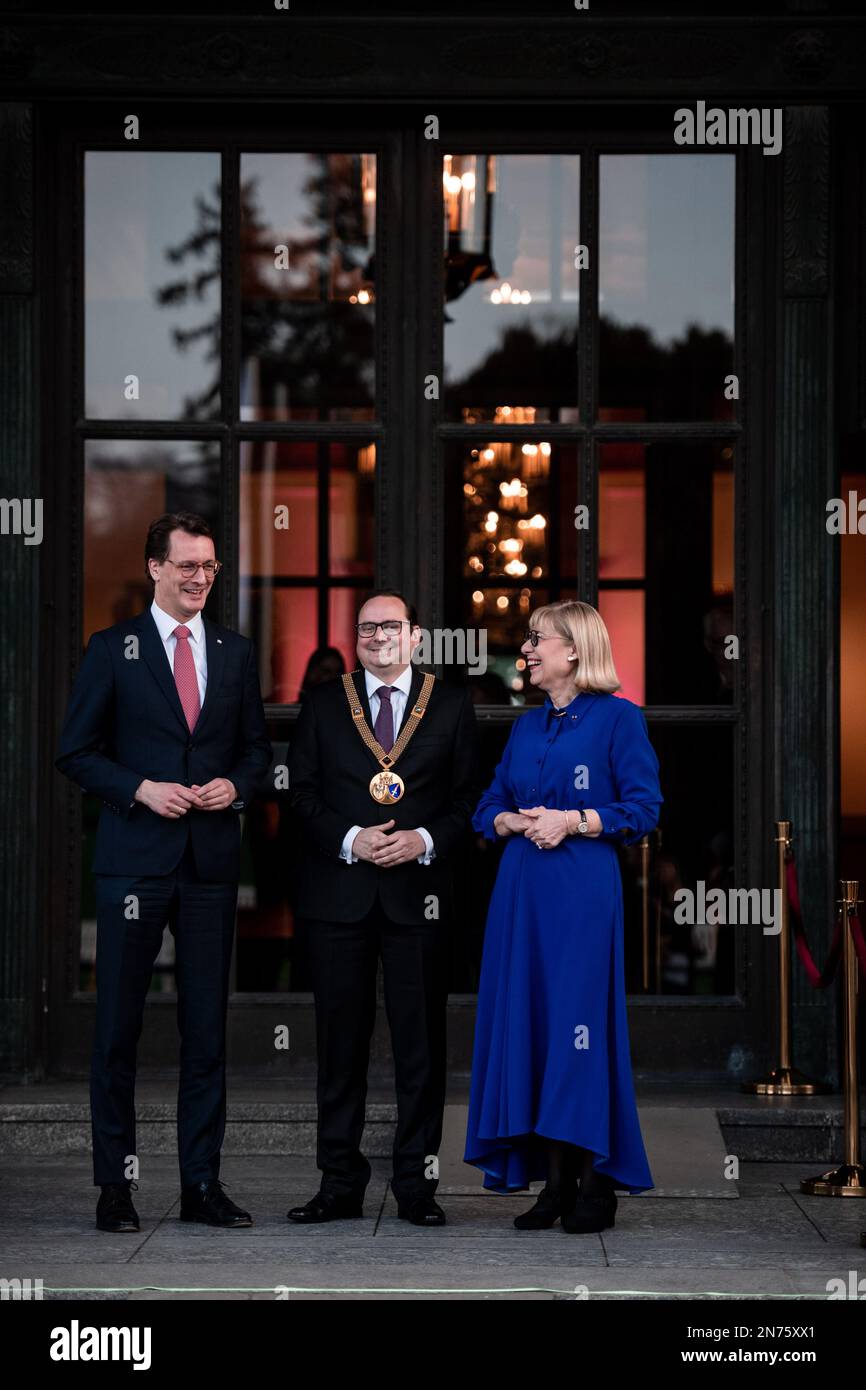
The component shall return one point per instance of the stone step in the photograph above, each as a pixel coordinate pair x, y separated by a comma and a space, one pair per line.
55, 1119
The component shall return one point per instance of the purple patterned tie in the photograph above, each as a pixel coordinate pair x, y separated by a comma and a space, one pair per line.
384, 726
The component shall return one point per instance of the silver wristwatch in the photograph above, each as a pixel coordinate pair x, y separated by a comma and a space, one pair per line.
583, 828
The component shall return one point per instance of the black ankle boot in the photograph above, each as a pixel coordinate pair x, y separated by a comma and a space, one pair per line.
594, 1209
552, 1202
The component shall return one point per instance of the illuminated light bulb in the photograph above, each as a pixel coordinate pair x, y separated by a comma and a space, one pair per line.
538, 520
520, 664
496, 297
363, 296
506, 290
511, 546
452, 183
502, 601
545, 449
468, 179
525, 297
531, 449
477, 596
489, 455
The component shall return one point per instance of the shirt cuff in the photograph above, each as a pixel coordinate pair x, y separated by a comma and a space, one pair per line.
431, 853
348, 841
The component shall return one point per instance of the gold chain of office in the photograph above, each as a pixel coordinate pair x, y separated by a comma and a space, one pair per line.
386, 786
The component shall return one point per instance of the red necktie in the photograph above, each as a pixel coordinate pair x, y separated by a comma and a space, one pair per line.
185, 677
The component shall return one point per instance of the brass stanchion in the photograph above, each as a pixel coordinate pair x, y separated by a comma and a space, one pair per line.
785, 1079
849, 1179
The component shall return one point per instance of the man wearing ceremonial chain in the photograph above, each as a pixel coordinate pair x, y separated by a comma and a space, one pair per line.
383, 778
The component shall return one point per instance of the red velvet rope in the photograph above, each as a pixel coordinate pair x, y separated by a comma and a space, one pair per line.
820, 979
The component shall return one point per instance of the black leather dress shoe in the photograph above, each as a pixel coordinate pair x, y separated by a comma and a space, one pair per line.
421, 1211
552, 1203
208, 1203
114, 1210
324, 1207
590, 1214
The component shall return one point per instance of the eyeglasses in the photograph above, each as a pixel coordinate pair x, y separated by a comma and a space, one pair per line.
530, 635
391, 627
188, 568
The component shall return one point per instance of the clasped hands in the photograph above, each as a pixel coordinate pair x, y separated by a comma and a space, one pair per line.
545, 826
173, 799
399, 847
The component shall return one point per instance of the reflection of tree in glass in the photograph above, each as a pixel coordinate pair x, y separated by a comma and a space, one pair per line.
203, 242
537, 368
313, 347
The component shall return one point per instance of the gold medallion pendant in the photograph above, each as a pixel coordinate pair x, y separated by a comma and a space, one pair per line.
386, 786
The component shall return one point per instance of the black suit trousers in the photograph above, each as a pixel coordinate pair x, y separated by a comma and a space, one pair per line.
131, 916
343, 959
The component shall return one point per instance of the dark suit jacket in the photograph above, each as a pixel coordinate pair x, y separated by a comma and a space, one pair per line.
329, 787
125, 723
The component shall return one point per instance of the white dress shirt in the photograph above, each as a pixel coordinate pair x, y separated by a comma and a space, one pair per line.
166, 625
400, 687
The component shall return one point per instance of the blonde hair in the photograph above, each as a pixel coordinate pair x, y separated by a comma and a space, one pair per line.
583, 626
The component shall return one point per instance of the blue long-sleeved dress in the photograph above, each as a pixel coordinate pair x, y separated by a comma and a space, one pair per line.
551, 1055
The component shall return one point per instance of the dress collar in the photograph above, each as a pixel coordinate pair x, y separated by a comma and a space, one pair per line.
555, 713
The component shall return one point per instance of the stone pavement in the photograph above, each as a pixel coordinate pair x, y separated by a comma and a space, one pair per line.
764, 1239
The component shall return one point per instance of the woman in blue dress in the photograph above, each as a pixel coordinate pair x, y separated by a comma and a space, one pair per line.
552, 1094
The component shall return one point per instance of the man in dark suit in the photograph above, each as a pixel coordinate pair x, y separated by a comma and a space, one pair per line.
165, 724
376, 880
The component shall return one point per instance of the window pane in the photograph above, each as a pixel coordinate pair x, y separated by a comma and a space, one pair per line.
510, 519
279, 508
343, 605
666, 286
623, 614
351, 514
284, 628
506, 511
127, 483
306, 516
683, 958
152, 285
666, 573
308, 225
512, 227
